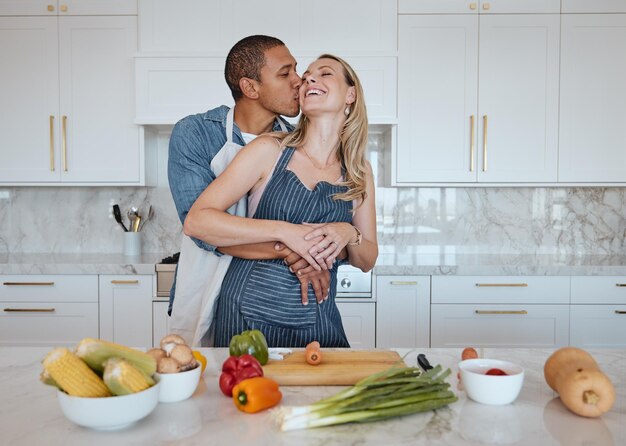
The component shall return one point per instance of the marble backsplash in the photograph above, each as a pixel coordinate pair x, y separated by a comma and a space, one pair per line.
571, 221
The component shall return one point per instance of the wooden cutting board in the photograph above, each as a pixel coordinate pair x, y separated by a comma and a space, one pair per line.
338, 368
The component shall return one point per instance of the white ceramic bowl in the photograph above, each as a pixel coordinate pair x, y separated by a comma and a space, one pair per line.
114, 412
491, 389
178, 386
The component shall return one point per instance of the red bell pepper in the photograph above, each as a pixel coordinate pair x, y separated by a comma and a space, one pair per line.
236, 369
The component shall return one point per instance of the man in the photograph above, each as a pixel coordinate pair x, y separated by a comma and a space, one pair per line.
261, 74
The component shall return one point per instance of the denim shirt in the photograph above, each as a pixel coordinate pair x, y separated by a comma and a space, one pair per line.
195, 140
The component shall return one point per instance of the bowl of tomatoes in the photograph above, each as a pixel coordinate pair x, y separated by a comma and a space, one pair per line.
491, 381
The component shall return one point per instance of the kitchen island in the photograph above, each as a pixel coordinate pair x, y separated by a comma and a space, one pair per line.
30, 414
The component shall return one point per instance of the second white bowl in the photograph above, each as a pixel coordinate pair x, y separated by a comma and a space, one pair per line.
491, 389
178, 386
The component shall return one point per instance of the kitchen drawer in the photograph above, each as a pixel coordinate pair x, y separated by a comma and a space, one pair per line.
541, 326
49, 288
500, 290
50, 324
599, 290
598, 326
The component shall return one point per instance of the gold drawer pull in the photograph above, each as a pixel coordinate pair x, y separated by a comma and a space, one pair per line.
28, 283
501, 312
621, 285
502, 284
620, 312
400, 282
124, 282
29, 310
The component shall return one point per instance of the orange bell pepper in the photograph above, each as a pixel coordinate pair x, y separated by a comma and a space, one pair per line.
256, 394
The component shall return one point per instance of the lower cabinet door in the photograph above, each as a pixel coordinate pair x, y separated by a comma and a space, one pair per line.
160, 322
542, 326
598, 326
359, 323
50, 324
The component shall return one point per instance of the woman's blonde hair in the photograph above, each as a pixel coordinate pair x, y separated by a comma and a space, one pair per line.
353, 138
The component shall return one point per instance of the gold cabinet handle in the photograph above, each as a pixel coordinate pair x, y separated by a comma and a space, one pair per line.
28, 283
501, 312
64, 143
402, 283
621, 285
486, 6
620, 312
472, 6
472, 143
63, 8
51, 143
50, 8
124, 282
501, 284
29, 310
485, 143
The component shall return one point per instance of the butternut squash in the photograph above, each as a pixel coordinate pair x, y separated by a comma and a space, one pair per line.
576, 377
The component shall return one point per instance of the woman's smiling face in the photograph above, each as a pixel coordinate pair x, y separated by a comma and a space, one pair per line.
324, 88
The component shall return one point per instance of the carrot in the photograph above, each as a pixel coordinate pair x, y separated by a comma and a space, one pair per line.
313, 353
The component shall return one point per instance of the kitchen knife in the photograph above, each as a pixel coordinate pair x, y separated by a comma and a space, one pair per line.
118, 216
423, 362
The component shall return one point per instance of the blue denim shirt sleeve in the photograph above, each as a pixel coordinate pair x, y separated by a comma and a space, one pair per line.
189, 171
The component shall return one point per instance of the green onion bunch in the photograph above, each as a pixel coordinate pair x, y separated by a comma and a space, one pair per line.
394, 392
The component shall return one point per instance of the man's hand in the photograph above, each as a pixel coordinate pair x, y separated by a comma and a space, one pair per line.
319, 280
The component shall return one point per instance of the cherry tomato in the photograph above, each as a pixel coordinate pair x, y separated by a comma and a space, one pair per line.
496, 372
469, 353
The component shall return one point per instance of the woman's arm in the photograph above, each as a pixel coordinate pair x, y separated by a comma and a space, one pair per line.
208, 220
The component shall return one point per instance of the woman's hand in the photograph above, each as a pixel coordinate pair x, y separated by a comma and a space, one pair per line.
334, 237
294, 238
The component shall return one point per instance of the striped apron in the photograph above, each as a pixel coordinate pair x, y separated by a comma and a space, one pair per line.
263, 294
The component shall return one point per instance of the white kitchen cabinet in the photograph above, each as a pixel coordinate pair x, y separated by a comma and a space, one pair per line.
160, 322
477, 109
68, 83
67, 7
359, 323
126, 310
48, 310
592, 146
211, 28
593, 6
598, 326
402, 311
169, 89
500, 311
478, 6
520, 325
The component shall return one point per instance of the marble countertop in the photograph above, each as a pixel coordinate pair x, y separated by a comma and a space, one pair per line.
390, 262
30, 414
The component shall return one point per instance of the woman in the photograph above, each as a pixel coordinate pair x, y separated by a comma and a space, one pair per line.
312, 190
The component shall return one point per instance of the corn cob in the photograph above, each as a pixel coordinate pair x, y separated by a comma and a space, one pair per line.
95, 352
73, 375
45, 378
123, 378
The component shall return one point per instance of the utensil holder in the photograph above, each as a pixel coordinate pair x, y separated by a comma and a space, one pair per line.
132, 243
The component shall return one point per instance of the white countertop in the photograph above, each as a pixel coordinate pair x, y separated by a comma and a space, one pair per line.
30, 414
406, 262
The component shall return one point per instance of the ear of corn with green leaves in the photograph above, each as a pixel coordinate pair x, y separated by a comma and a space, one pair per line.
72, 375
123, 378
95, 352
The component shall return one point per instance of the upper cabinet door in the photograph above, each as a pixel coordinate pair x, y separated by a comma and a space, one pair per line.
97, 7
519, 98
437, 81
30, 100
521, 6
99, 139
593, 99
438, 6
603, 6
28, 7
198, 26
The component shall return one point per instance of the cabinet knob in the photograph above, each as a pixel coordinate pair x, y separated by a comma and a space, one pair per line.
63, 8
486, 6
50, 8
472, 6
345, 283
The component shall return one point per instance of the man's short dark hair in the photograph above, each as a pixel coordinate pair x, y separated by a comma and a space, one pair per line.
246, 59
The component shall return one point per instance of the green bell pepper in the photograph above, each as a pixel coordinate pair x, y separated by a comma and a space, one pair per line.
251, 342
